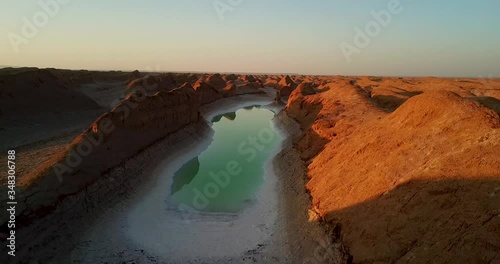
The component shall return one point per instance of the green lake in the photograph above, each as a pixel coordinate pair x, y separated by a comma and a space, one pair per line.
227, 175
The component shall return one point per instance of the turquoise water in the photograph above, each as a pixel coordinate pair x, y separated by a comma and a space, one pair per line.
226, 176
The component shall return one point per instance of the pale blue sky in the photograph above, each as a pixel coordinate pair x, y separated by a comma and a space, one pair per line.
430, 38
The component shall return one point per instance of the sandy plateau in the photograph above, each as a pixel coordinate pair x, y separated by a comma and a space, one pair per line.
370, 169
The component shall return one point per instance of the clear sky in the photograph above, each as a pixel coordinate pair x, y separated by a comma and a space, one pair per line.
428, 37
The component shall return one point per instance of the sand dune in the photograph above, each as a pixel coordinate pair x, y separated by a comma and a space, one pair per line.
216, 81
286, 86
84, 76
270, 82
35, 91
41, 105
151, 84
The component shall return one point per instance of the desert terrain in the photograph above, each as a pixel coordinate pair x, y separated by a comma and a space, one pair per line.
370, 169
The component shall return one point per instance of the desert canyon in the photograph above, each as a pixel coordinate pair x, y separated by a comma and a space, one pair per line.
368, 169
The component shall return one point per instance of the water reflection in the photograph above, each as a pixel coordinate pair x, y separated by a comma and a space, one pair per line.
226, 176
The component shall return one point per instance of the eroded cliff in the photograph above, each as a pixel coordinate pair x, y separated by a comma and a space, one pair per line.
419, 184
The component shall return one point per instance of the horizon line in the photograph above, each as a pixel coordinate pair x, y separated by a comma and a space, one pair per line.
250, 73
